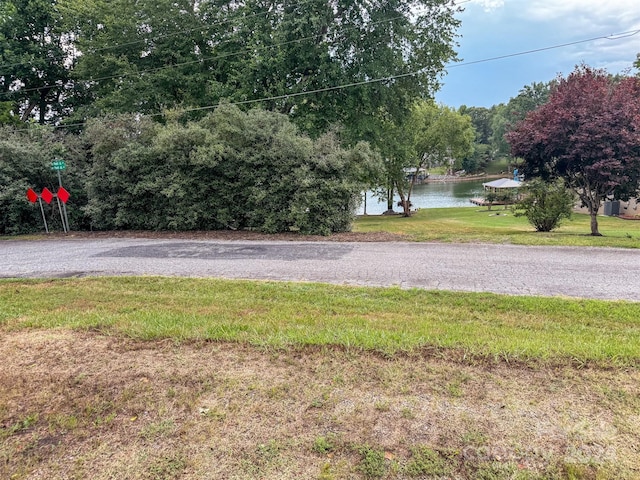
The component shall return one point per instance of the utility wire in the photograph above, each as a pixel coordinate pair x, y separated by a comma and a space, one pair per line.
167, 35
182, 32
614, 36
200, 60
404, 75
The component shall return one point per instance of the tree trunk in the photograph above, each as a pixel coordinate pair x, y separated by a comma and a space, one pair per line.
406, 207
389, 201
43, 107
592, 202
404, 201
594, 224
25, 115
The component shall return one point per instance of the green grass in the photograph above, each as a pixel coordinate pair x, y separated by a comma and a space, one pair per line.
500, 165
289, 315
477, 224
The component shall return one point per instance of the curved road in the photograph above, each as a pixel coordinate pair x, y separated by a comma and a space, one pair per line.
603, 273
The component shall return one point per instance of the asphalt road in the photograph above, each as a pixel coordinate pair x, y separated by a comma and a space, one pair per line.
601, 273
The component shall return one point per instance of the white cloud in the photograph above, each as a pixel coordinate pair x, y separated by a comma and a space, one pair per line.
562, 33
576, 20
581, 12
489, 5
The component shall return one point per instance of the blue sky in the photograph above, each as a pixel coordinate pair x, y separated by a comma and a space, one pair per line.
493, 28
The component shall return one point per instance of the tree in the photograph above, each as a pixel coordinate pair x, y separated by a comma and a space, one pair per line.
288, 57
35, 57
506, 117
546, 204
483, 152
7, 116
139, 57
587, 134
438, 135
25, 162
481, 119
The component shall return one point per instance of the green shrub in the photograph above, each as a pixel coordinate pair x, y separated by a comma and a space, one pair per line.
545, 204
25, 162
230, 170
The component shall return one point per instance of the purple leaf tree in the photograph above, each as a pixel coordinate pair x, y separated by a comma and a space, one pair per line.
588, 133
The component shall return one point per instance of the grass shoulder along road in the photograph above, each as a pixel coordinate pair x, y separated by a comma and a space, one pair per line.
499, 225
386, 320
151, 377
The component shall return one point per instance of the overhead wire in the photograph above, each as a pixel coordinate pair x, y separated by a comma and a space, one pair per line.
612, 37
399, 76
159, 37
182, 32
618, 36
200, 60
376, 80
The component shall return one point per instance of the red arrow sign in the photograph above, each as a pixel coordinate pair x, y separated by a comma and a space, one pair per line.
63, 195
32, 196
46, 195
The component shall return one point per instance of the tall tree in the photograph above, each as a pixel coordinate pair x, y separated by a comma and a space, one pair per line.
438, 135
296, 54
506, 117
481, 119
289, 57
588, 134
35, 55
483, 152
139, 57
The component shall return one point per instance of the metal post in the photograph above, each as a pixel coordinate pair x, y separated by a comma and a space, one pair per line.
64, 206
46, 228
64, 225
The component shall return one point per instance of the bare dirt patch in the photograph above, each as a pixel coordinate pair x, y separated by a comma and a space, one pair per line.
84, 405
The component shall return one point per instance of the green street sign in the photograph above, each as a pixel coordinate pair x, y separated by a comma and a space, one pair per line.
58, 165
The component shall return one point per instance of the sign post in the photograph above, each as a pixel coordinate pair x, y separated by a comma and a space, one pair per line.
58, 165
33, 197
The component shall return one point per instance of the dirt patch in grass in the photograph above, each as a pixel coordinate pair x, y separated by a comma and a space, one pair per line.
84, 405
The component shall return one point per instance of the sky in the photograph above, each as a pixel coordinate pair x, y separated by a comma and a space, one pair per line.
495, 28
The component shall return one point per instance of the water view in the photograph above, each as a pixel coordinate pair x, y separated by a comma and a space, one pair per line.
431, 195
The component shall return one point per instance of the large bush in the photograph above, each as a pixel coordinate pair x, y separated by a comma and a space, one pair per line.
25, 162
546, 204
229, 170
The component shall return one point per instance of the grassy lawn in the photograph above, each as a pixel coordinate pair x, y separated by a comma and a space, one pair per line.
169, 378
499, 225
290, 314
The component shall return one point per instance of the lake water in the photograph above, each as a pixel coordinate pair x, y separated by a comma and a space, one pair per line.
431, 195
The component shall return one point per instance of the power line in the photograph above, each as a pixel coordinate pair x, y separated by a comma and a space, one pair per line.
404, 75
615, 36
200, 60
181, 32
159, 37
